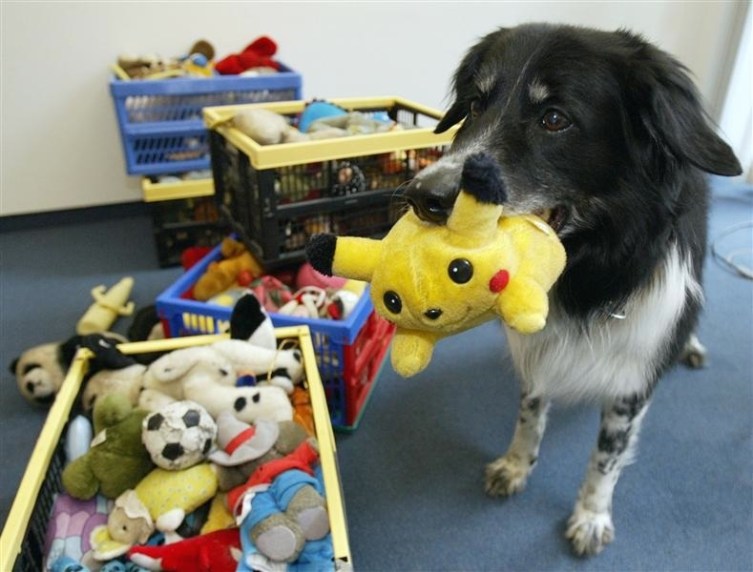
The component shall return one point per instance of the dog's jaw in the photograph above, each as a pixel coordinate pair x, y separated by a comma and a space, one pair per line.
556, 217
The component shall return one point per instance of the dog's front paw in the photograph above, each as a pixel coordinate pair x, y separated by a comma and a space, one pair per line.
506, 476
694, 353
589, 531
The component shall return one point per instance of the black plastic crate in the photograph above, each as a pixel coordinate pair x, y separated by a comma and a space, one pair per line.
184, 223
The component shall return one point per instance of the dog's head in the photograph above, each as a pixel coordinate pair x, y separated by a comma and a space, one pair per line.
573, 116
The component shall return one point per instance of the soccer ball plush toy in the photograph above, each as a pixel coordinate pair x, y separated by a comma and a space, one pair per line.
436, 280
178, 435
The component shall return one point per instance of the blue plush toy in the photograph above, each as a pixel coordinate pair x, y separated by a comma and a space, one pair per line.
318, 110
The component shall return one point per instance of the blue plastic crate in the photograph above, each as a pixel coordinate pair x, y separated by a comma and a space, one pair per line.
160, 121
349, 353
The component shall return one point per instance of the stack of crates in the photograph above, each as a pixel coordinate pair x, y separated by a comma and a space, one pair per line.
277, 196
162, 133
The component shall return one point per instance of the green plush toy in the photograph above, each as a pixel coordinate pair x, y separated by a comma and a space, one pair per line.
433, 281
117, 460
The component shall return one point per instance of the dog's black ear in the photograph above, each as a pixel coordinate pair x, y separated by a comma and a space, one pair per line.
454, 115
674, 117
463, 84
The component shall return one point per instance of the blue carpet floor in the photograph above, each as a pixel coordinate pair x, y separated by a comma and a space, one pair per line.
412, 471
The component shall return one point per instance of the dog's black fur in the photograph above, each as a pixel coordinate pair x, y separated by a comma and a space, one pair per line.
630, 163
607, 133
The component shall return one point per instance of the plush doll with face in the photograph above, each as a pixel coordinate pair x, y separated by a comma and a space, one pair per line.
436, 280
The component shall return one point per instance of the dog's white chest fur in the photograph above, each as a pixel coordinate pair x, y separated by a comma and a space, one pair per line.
613, 357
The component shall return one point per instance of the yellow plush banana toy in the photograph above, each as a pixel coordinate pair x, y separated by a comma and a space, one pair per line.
433, 281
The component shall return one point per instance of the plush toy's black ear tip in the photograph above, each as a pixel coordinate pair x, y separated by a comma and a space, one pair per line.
13, 365
482, 178
246, 317
320, 252
106, 353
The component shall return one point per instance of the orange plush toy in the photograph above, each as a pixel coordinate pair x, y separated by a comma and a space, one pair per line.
224, 273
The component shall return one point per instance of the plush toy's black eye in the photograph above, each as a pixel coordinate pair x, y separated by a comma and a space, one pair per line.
393, 302
460, 270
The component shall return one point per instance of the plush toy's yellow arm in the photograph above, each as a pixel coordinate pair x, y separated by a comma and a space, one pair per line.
347, 256
356, 257
524, 305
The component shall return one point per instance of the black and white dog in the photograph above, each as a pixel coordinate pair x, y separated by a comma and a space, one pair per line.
603, 134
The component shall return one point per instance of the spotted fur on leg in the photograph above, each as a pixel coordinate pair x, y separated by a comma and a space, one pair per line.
590, 527
508, 474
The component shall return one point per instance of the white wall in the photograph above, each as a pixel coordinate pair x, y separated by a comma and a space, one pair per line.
737, 112
60, 144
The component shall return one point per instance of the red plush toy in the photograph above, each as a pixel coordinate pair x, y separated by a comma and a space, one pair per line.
257, 54
212, 552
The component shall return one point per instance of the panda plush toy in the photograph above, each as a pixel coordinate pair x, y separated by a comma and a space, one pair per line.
40, 370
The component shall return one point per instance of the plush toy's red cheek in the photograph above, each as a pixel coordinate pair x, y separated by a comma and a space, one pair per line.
499, 281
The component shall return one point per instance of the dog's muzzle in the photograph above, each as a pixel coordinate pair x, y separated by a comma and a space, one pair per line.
431, 194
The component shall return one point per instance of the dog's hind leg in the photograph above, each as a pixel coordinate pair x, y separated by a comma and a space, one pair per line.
590, 527
508, 474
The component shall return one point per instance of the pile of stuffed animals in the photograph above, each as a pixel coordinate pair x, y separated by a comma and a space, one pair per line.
204, 460
313, 296
40, 370
257, 58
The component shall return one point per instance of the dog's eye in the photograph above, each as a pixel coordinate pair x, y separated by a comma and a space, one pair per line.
554, 120
460, 270
474, 108
392, 302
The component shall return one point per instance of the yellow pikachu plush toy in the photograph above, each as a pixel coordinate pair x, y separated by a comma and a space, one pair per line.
433, 281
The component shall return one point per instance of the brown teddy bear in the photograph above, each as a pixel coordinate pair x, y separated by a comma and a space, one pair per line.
222, 274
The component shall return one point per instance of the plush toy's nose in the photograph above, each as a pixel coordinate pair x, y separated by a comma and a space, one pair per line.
433, 313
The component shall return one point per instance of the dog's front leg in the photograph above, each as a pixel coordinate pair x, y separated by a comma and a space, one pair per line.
590, 527
508, 474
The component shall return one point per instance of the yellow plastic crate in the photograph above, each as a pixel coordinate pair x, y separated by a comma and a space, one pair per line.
22, 540
189, 189
286, 154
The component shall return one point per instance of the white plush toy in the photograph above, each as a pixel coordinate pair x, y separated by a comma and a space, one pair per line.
267, 127
270, 128
209, 375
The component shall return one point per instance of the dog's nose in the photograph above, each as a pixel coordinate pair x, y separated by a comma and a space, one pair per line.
433, 313
432, 193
